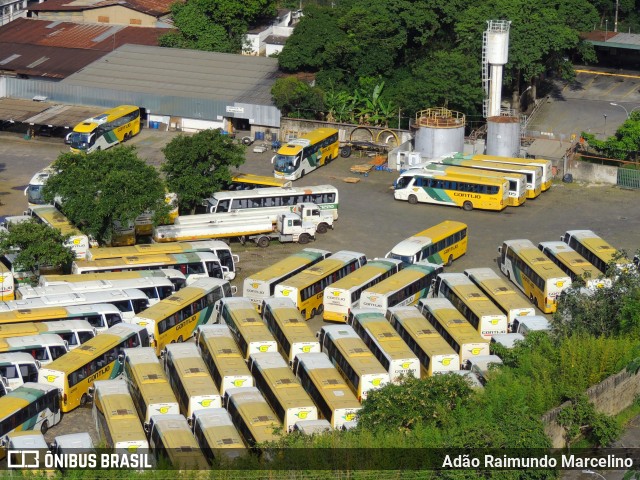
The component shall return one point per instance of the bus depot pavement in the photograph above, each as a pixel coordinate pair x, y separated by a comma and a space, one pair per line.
370, 220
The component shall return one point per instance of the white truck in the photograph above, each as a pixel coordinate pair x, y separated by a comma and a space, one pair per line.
289, 228
309, 212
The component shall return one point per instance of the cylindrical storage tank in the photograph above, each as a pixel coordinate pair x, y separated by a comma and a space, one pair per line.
439, 132
503, 136
498, 42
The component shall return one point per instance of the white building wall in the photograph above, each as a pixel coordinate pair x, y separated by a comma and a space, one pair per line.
12, 9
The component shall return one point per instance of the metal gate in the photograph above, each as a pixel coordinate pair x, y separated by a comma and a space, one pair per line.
628, 178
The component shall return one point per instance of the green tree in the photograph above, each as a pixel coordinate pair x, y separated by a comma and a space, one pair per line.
215, 25
103, 187
624, 145
37, 245
298, 99
197, 166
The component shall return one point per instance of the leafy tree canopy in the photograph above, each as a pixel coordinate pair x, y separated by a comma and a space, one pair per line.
37, 244
199, 165
624, 145
106, 186
297, 98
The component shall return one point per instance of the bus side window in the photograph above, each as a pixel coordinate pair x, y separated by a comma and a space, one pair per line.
223, 206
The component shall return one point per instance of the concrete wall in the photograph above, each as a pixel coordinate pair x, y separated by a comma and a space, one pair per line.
610, 396
592, 172
114, 15
294, 127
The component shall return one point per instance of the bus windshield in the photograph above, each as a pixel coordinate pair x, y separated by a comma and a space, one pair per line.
403, 182
34, 194
286, 163
81, 141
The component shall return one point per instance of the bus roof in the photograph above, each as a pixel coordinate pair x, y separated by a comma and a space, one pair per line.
428, 236
512, 167
90, 124
408, 274
52, 216
328, 380
156, 248
259, 414
455, 176
535, 258
15, 357
595, 243
293, 146
372, 269
567, 255
46, 280
478, 172
27, 392
273, 191
299, 259
159, 259
75, 298
250, 178
421, 329
31, 341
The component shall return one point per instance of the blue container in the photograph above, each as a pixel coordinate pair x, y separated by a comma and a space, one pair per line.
153, 124
259, 135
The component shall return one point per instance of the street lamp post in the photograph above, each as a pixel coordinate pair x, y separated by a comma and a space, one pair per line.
622, 107
591, 472
606, 29
605, 124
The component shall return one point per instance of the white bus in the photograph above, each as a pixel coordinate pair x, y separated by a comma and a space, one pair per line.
100, 316
268, 201
342, 296
74, 332
155, 288
385, 343
130, 301
18, 368
262, 284
177, 278
44, 348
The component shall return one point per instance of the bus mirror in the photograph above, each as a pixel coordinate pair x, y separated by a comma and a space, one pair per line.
121, 359
273, 159
500, 249
5, 382
163, 352
234, 289
90, 391
561, 237
66, 345
236, 258
38, 364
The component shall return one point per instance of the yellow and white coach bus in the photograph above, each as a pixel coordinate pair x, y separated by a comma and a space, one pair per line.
18, 368
217, 437
326, 387
433, 351
359, 367
281, 389
306, 288
252, 415
74, 332
148, 385
454, 328
474, 305
385, 343
574, 264
115, 417
545, 165
500, 292
51, 216
262, 284
171, 439
223, 358
45, 348
340, 297
33, 406
533, 273
595, 249
440, 244
302, 155
105, 130
404, 288
97, 359
189, 378
288, 328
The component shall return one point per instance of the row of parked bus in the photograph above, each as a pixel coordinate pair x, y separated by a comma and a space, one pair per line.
475, 181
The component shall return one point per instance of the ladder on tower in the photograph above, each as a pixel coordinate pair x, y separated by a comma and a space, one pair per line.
485, 73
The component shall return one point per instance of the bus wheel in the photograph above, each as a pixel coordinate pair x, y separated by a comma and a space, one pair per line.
302, 174
127, 136
345, 152
303, 239
467, 206
533, 300
44, 427
313, 312
83, 400
320, 309
180, 340
321, 228
450, 260
412, 199
263, 242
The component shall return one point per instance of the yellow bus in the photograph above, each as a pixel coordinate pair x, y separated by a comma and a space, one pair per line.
355, 362
341, 296
100, 316
193, 265
222, 357
175, 318
328, 390
465, 191
217, 437
533, 273
574, 264
170, 439
49, 215
454, 328
73, 374
306, 288
532, 172
262, 285
74, 332
33, 406
440, 244
433, 351
105, 130
288, 328
546, 165
252, 415
148, 385
475, 306
248, 330
385, 343
596, 250
217, 247
517, 181
115, 417
177, 278
404, 288
506, 298
281, 389
302, 155
249, 181
189, 378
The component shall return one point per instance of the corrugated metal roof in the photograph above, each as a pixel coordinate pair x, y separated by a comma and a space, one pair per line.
76, 35
183, 73
20, 110
542, 148
626, 41
155, 8
40, 61
45, 113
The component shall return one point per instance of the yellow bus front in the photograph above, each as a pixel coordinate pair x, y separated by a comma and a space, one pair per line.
7, 284
443, 364
337, 304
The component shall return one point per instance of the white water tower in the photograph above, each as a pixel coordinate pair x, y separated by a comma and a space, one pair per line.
495, 55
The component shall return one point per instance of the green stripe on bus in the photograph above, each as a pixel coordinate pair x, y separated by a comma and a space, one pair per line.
111, 137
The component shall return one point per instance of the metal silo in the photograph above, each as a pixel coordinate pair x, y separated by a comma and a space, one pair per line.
439, 131
503, 136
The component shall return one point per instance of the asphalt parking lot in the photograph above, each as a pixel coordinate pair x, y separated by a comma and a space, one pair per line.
371, 221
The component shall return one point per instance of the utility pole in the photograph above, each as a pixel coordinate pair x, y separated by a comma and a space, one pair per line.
615, 22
